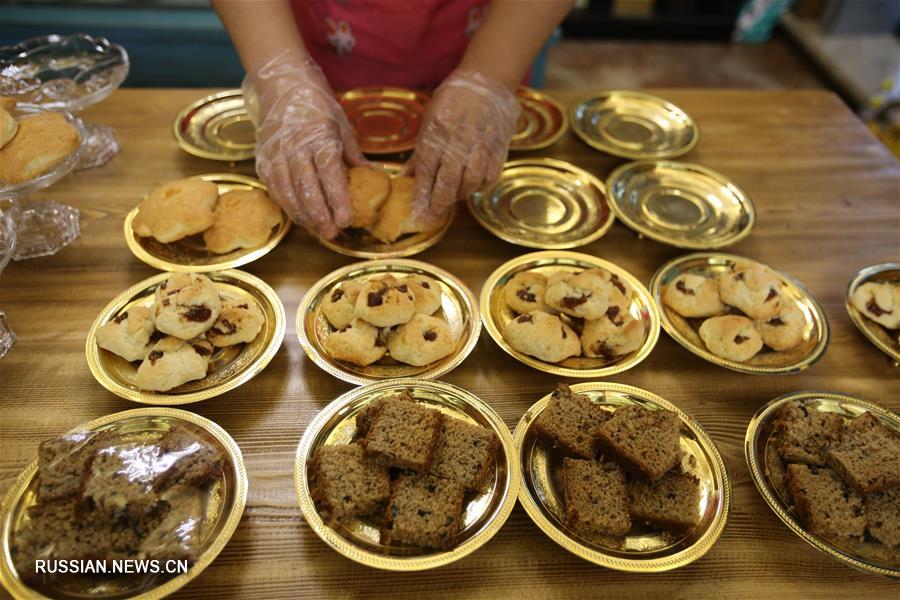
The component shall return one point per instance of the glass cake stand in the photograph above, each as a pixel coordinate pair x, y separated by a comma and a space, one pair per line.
67, 73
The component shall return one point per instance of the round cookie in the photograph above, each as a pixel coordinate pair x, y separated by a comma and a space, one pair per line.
369, 190
238, 323
731, 336
753, 289
172, 362
422, 341
617, 333
619, 290
357, 343
879, 302
543, 336
243, 219
524, 293
176, 210
784, 330
128, 334
42, 141
585, 295
693, 296
187, 304
340, 305
425, 290
384, 305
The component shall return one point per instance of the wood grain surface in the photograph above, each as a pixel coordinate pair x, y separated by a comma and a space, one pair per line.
827, 196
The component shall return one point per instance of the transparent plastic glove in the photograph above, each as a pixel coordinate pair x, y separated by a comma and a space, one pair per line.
303, 140
463, 141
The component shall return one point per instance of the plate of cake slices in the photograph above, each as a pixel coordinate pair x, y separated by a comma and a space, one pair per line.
406, 475
180, 503
621, 477
873, 303
829, 466
177, 338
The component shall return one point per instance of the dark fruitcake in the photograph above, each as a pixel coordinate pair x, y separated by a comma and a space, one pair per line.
883, 516
423, 511
867, 455
571, 421
804, 433
825, 504
345, 484
403, 434
645, 442
464, 453
670, 503
596, 498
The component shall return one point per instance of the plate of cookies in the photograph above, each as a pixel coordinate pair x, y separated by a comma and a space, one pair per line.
873, 302
621, 477
406, 475
829, 466
205, 223
182, 501
383, 224
386, 319
178, 338
740, 314
569, 314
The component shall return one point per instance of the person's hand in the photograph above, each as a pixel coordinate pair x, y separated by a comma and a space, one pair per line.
303, 139
463, 141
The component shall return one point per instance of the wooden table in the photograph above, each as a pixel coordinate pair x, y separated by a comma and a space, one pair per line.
827, 196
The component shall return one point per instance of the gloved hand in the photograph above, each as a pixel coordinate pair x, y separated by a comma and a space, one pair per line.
303, 140
462, 143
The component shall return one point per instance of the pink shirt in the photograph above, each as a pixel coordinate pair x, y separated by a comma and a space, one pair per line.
408, 43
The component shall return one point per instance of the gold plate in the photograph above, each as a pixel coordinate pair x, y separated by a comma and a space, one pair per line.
756, 447
190, 253
877, 334
216, 127
541, 123
385, 120
229, 367
225, 505
680, 204
458, 307
496, 314
483, 515
544, 203
634, 125
766, 362
645, 550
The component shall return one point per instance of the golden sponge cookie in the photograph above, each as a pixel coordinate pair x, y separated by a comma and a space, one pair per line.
243, 219
396, 218
8, 127
42, 142
7, 103
369, 190
176, 210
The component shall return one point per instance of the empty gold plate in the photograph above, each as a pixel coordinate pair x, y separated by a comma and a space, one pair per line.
680, 204
886, 340
645, 550
458, 308
541, 123
216, 127
865, 556
229, 367
766, 361
483, 514
544, 203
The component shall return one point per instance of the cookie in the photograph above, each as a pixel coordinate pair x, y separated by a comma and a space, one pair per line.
128, 333
616, 334
543, 336
694, 296
879, 302
585, 295
41, 143
340, 305
422, 341
384, 305
187, 304
753, 289
731, 336
524, 293
357, 343
172, 362
396, 218
618, 289
238, 323
242, 219
176, 210
784, 330
8, 127
369, 190
425, 290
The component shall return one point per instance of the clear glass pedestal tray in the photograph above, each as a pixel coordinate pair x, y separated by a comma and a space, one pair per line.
67, 73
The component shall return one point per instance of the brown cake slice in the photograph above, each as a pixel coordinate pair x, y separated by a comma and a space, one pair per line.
365, 416
883, 516
571, 421
671, 503
423, 511
62, 462
646, 442
867, 455
825, 504
179, 534
345, 484
192, 457
596, 498
403, 433
121, 480
804, 433
464, 453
